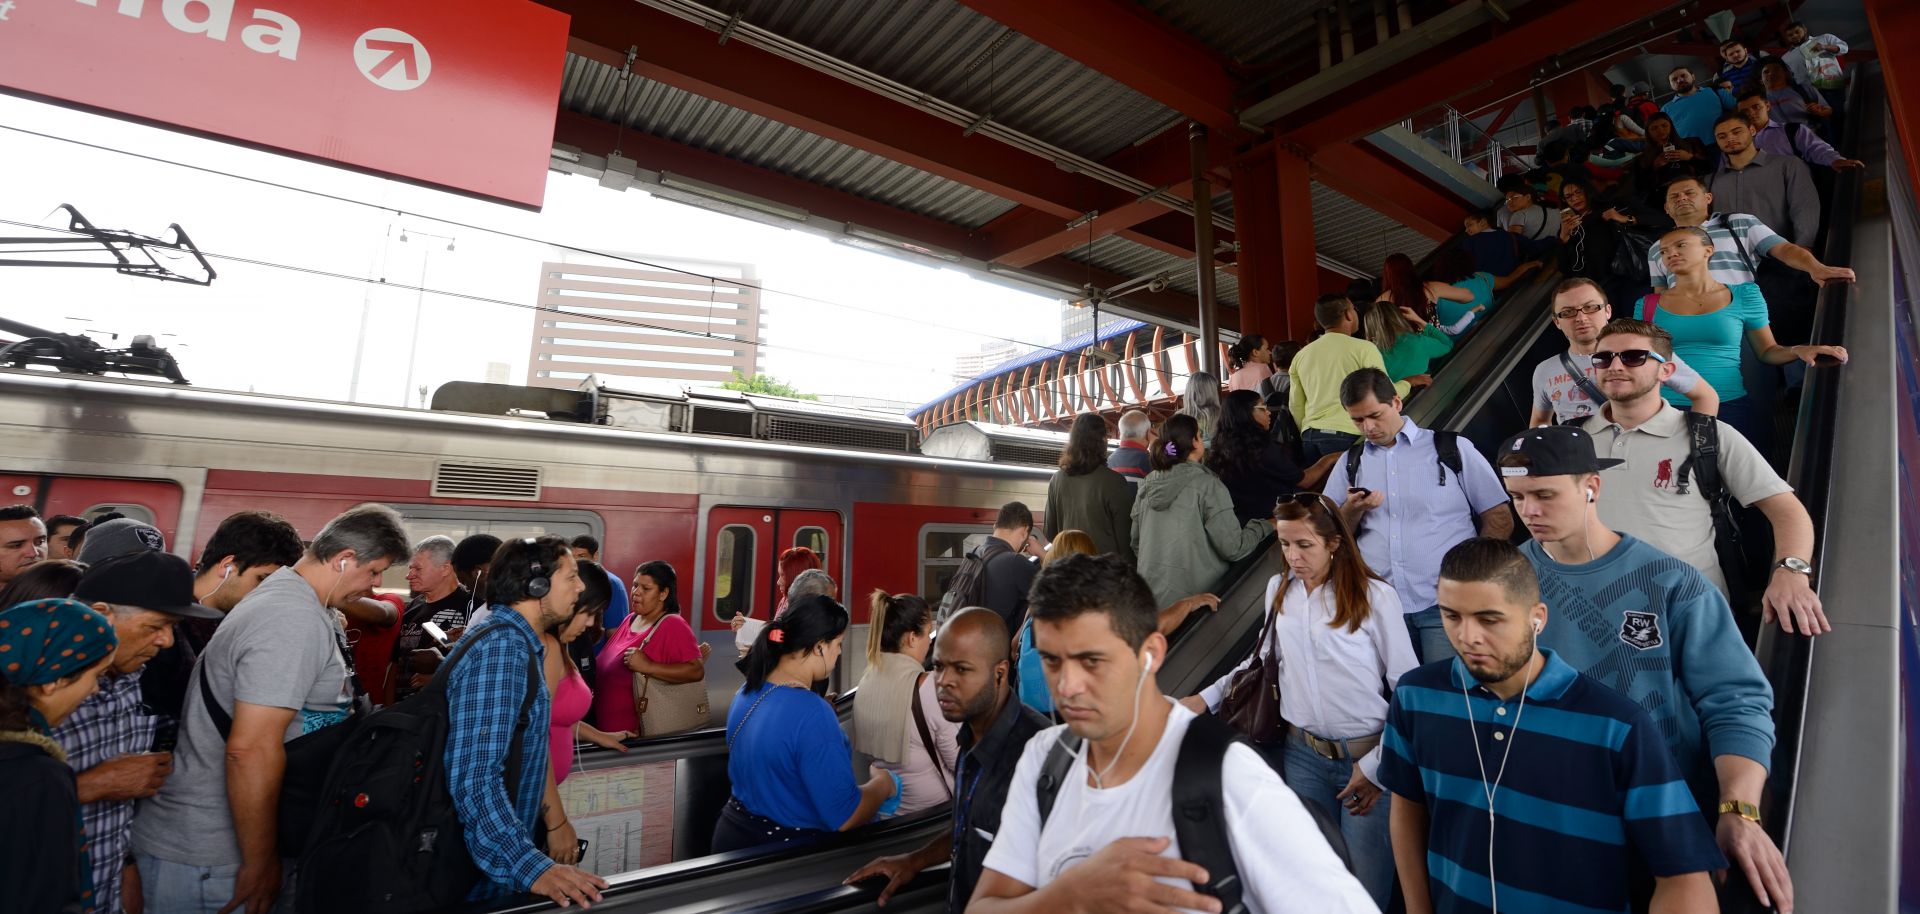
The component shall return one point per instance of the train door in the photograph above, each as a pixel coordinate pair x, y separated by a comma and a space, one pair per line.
151, 501
742, 565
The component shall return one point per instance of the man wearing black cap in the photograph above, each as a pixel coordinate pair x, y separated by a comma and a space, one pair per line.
1652, 628
145, 593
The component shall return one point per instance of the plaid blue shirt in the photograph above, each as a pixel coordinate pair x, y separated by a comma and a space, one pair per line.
109, 724
484, 693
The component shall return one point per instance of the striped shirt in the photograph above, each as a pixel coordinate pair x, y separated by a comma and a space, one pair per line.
108, 725
1587, 778
484, 693
1727, 265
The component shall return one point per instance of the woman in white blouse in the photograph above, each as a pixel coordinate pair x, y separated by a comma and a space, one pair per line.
1342, 649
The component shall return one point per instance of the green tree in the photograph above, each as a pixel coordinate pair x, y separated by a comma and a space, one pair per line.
766, 384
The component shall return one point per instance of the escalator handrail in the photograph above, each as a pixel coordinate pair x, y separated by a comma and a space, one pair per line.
926, 823
1788, 658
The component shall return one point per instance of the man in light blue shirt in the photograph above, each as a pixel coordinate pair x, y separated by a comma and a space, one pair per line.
1407, 505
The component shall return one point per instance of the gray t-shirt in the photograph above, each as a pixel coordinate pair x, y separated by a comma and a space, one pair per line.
1555, 389
279, 648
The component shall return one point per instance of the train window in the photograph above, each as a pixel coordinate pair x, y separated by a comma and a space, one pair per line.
814, 538
733, 572
141, 513
457, 522
942, 548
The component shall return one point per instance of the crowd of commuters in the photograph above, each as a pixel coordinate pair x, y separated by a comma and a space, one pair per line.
159, 717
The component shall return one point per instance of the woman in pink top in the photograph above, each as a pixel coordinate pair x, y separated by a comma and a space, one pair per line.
571, 699
653, 641
1252, 363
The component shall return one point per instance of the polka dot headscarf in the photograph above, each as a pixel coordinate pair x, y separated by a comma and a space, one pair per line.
45, 640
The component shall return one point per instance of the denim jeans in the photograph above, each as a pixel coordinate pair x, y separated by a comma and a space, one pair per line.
182, 888
1429, 635
1319, 780
1316, 443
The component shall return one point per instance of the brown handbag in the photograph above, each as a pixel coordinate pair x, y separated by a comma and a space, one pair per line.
1252, 702
670, 707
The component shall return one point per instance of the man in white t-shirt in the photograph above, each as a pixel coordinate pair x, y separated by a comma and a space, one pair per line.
1108, 842
1580, 309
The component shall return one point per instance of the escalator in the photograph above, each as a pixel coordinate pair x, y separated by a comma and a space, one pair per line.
1483, 393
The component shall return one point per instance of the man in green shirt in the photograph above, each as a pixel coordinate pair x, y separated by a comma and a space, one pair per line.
1318, 369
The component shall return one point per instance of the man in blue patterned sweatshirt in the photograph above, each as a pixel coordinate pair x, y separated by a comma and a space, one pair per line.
1651, 627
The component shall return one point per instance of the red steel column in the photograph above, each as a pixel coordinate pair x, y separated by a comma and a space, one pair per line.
1256, 224
1299, 263
1894, 24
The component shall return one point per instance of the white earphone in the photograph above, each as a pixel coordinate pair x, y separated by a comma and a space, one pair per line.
1589, 496
342, 568
1536, 626
1149, 668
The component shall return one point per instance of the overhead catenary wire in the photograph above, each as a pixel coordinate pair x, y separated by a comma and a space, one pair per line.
468, 296
622, 258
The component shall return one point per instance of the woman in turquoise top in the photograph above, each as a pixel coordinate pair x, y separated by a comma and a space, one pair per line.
1707, 319
1408, 345
1454, 269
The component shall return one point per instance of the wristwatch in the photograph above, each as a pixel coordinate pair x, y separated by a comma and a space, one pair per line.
1746, 811
1794, 564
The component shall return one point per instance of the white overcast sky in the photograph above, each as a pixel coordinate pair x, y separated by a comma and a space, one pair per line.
840, 320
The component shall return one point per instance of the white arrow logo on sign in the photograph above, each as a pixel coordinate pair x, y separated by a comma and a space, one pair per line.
392, 59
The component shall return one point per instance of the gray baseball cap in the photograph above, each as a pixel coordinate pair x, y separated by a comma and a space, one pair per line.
119, 537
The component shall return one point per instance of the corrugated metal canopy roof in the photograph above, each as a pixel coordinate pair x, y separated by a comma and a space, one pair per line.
1354, 234
950, 52
953, 53
595, 89
1248, 31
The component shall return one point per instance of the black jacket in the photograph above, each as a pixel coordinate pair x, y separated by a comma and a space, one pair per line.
1254, 490
39, 828
984, 773
1009, 575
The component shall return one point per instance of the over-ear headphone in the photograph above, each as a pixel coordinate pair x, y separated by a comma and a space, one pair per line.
538, 585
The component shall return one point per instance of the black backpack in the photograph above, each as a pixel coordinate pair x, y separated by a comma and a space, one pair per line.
1702, 466
969, 584
386, 837
1199, 805
1446, 446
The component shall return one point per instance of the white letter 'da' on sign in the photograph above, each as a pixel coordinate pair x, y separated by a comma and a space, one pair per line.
392, 59
218, 14
278, 35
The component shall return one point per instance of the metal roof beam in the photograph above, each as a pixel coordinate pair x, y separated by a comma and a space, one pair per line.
1434, 78
1366, 174
1121, 40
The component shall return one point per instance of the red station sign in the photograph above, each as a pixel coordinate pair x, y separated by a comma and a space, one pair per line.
457, 94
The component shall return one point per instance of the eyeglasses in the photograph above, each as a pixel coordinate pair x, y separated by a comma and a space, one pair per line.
1566, 314
1631, 358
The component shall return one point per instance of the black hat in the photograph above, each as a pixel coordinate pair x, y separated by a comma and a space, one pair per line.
159, 581
1554, 450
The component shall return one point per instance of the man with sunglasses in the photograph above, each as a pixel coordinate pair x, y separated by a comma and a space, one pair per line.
1659, 498
1564, 387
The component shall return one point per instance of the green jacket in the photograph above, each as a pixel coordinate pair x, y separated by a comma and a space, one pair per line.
1185, 533
1099, 503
